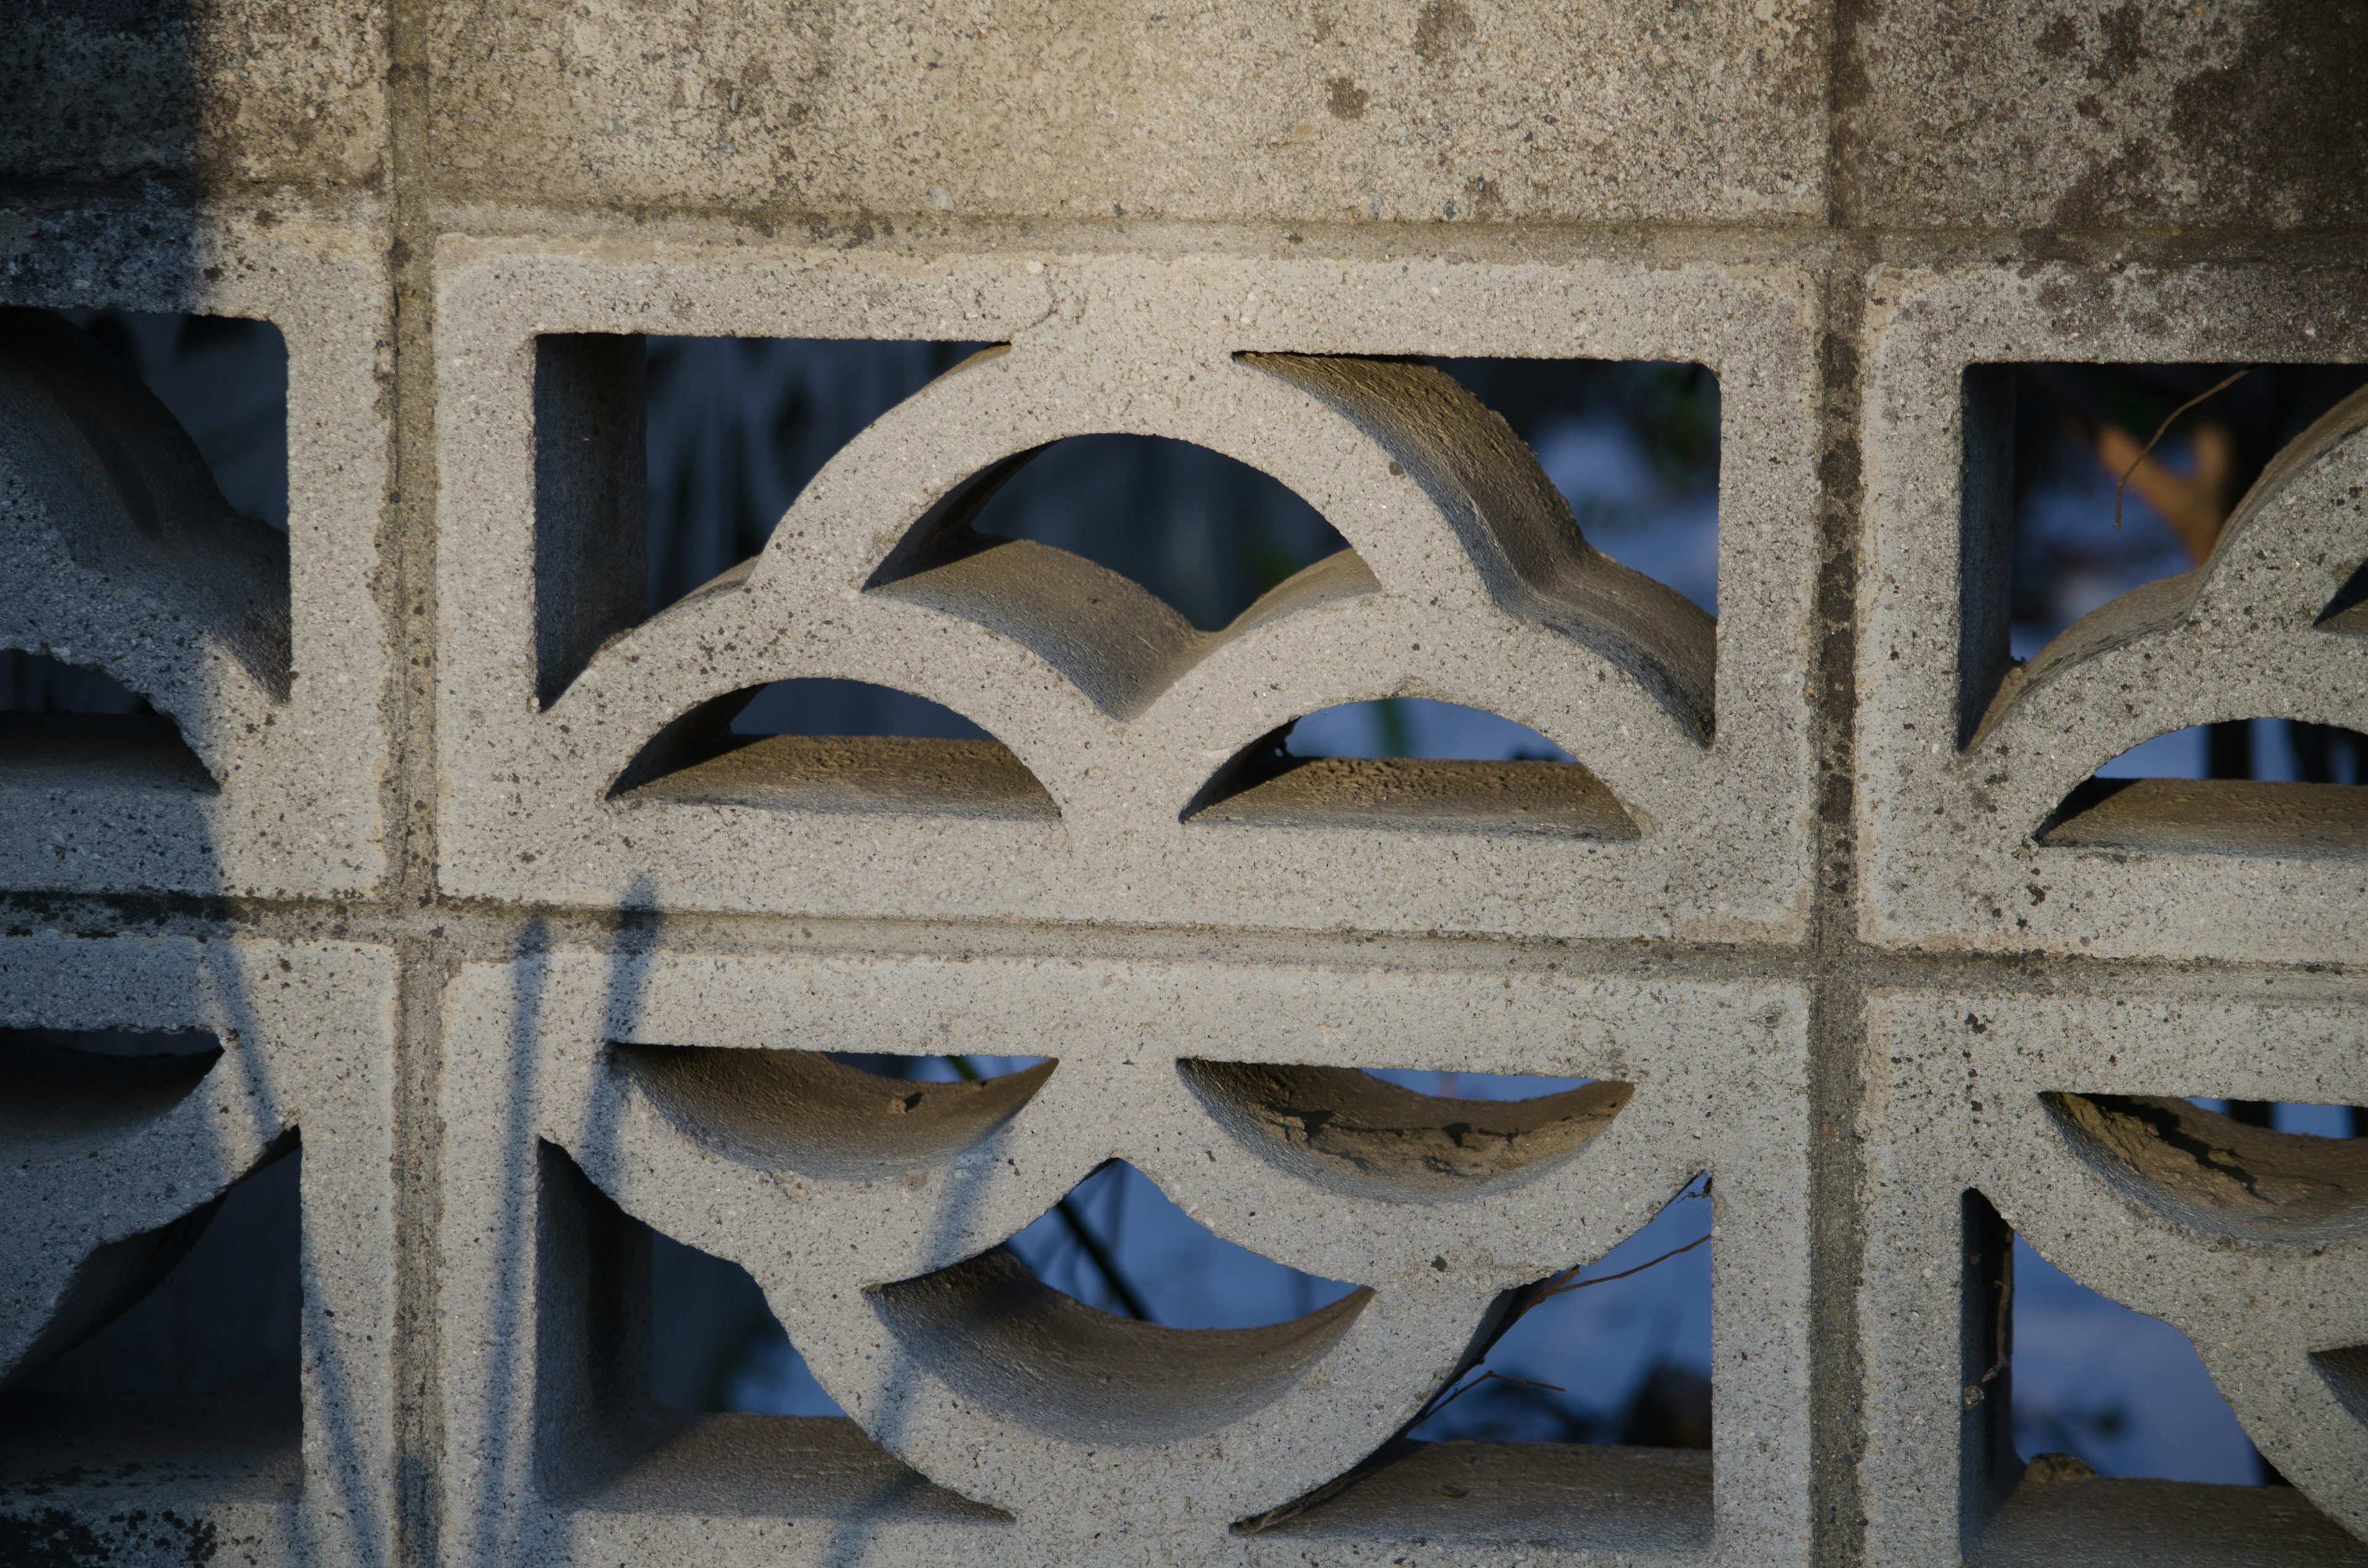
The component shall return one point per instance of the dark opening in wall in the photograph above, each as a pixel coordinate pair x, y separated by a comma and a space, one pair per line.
736, 428
1631, 444
2046, 447
63, 725
1119, 1244
224, 1320
1202, 533
1617, 1351
2092, 485
662, 1370
715, 1344
662, 464
2095, 1430
175, 1345
225, 379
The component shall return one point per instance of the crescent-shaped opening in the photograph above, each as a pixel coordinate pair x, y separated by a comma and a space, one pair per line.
801, 1111
834, 746
2207, 1171
1411, 765
69, 726
1580, 1416
997, 1333
2280, 789
1120, 559
1350, 1132
1203, 534
208, 1301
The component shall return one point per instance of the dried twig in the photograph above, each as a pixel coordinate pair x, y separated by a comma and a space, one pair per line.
1398, 1444
2159, 432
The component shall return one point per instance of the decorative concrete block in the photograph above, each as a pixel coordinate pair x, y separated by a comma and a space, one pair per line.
269, 658
109, 1167
2066, 1115
1465, 582
593, 1093
1975, 837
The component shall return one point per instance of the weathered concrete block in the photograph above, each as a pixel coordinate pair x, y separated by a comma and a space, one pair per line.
2066, 1114
1968, 757
269, 656
1466, 583
221, 93
1416, 110
2047, 116
643, 1079
102, 1157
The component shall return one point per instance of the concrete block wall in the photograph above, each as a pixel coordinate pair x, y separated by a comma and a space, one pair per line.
522, 992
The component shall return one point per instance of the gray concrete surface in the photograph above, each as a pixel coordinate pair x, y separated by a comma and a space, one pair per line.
428, 850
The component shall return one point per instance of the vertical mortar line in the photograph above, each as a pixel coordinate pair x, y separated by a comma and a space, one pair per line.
424, 958
1837, 1074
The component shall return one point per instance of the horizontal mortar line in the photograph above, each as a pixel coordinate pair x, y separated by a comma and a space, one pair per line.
492, 931
1810, 242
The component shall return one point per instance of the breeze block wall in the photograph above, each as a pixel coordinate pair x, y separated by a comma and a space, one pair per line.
528, 978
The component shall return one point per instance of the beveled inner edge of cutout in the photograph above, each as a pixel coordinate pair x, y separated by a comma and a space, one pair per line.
1352, 1133
1545, 800
798, 1110
56, 1099
2202, 1170
696, 759
887, 775
996, 1335
2345, 1373
2214, 816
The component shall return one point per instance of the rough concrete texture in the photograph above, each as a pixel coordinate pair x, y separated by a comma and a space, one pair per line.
2066, 1114
429, 839
110, 1162
268, 655
1465, 580
1976, 755
221, 93
679, 1086
2040, 114
1325, 112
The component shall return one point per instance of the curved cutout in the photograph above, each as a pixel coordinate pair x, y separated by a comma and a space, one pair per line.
2289, 819
60, 1093
2204, 1172
1614, 1351
116, 1277
996, 1335
1349, 1133
1125, 503
1419, 765
71, 726
1253, 532
1117, 642
1118, 1243
709, 757
799, 1110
